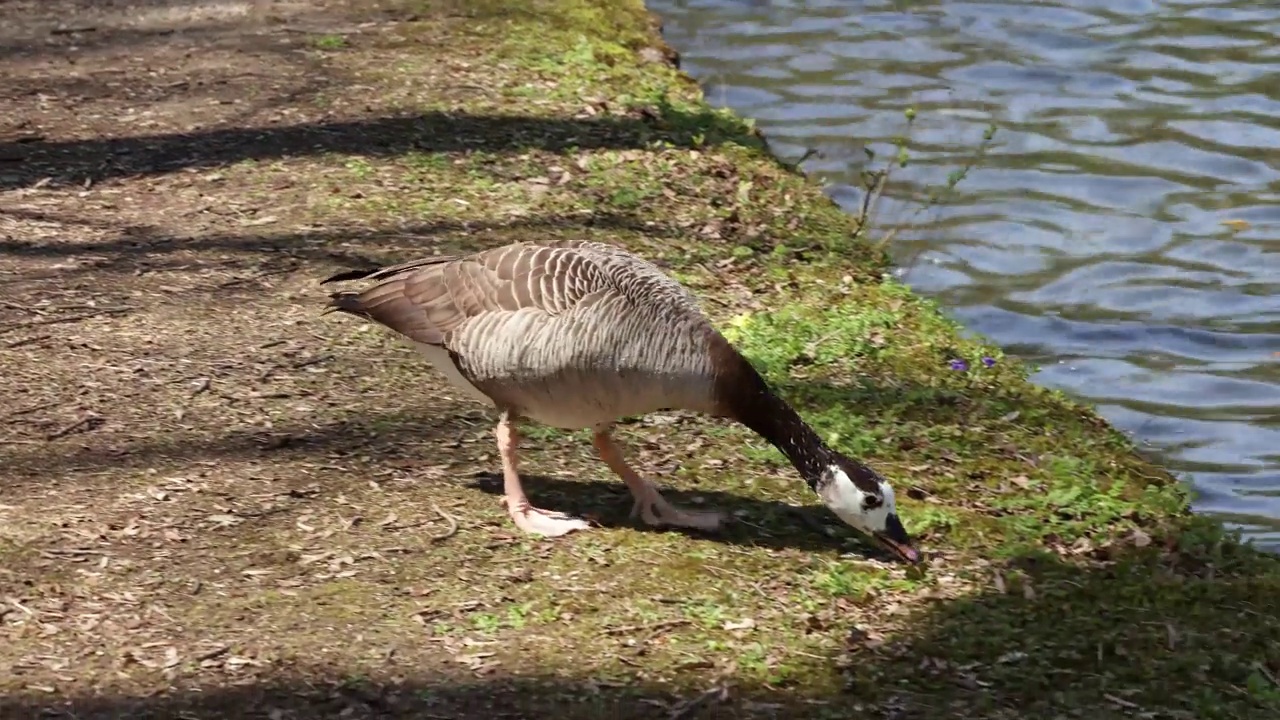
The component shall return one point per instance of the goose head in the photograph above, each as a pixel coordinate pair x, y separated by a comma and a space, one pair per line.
865, 501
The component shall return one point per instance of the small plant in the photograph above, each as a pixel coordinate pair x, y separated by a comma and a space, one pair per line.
359, 167
1264, 687
626, 198
841, 580
875, 181
706, 612
753, 658
486, 622
330, 42
931, 520
518, 615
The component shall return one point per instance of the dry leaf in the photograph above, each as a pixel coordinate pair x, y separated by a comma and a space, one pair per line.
224, 520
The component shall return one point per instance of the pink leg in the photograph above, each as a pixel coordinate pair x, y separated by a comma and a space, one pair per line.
527, 517
650, 505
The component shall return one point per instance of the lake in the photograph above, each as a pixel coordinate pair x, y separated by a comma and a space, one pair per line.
1122, 230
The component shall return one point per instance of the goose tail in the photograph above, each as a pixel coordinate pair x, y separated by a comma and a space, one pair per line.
350, 275
346, 302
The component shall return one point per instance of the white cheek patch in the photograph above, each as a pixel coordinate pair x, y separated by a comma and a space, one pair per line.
844, 498
846, 501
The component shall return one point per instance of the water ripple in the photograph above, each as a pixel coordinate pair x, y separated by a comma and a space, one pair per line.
1122, 232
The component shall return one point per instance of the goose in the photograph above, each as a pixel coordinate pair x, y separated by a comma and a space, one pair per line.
579, 334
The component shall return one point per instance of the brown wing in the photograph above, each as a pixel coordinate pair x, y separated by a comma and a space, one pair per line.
426, 300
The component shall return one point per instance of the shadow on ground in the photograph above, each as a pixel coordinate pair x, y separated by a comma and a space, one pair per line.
141, 248
1118, 632
752, 522
99, 159
391, 437
1183, 628
549, 698
408, 441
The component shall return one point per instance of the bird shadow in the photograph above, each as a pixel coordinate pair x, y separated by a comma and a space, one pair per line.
748, 521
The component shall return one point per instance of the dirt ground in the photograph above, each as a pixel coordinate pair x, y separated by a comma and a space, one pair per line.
215, 502
191, 456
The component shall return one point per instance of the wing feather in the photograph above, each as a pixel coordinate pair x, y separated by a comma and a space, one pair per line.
428, 300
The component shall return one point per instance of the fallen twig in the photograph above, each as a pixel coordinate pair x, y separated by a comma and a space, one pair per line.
686, 709
23, 308
311, 361
662, 625
27, 341
1266, 673
73, 427
31, 409
263, 513
21, 607
66, 318
453, 525
201, 385
72, 552
347, 30
211, 654
1121, 701
258, 276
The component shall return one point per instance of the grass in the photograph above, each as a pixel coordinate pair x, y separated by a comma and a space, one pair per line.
257, 526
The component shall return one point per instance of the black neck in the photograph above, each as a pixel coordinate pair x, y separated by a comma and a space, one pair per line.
755, 405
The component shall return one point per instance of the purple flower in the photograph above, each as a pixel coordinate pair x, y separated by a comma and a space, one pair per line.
959, 364
988, 361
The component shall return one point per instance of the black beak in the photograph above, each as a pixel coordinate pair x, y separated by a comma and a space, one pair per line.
894, 537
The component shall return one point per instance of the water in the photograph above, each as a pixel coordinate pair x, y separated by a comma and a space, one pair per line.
1098, 238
